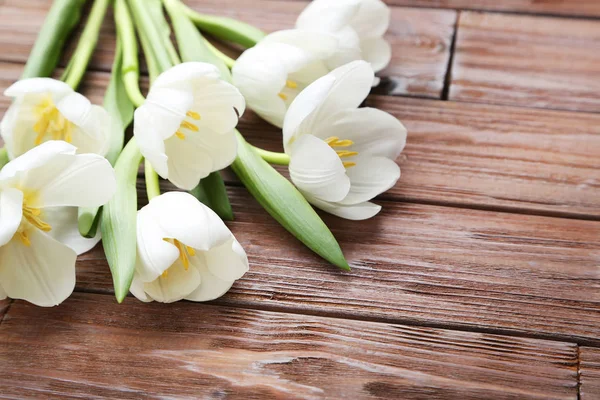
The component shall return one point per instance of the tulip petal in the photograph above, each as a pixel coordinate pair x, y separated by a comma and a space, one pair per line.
355, 212
65, 229
370, 177
315, 168
11, 213
154, 254
372, 19
175, 285
374, 132
147, 131
2, 293
180, 75
211, 286
137, 289
219, 104
376, 51
86, 180
329, 16
43, 273
228, 261
38, 86
39, 156
320, 45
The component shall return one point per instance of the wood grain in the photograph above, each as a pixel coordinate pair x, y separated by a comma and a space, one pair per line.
527, 61
420, 38
589, 373
481, 156
582, 8
90, 346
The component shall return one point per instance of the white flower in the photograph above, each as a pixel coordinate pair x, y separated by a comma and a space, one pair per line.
39, 238
342, 156
186, 126
46, 109
271, 74
185, 251
367, 20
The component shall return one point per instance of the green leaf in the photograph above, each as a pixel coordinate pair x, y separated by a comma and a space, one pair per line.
60, 21
286, 204
226, 28
118, 221
120, 108
190, 41
212, 192
155, 10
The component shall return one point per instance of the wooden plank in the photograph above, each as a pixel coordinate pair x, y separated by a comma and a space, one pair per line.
422, 265
530, 161
582, 8
92, 347
527, 61
420, 37
4, 304
589, 373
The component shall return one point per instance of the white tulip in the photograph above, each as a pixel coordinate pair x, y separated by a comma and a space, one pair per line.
39, 237
186, 126
271, 74
367, 20
46, 109
342, 156
185, 251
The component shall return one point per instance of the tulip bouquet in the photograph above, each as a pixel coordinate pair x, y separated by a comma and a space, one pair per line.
68, 177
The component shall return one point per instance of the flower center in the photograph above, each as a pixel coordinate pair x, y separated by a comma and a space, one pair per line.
336, 143
185, 252
51, 123
290, 90
188, 125
32, 216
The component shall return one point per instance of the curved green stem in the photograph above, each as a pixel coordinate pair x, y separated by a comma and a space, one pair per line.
87, 44
230, 62
130, 68
152, 183
3, 157
271, 156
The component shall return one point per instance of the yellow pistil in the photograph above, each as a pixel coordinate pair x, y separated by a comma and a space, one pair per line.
50, 122
334, 142
283, 96
291, 84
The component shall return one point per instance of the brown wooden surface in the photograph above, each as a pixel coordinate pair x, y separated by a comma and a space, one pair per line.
527, 61
491, 235
589, 372
420, 37
90, 344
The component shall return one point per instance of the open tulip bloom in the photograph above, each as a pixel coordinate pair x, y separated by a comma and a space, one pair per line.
39, 238
271, 74
361, 21
46, 109
186, 126
185, 251
342, 156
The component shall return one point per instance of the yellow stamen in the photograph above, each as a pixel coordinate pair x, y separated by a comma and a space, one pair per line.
165, 274
180, 135
348, 164
32, 215
185, 252
291, 84
193, 115
283, 96
190, 251
345, 153
24, 238
190, 126
335, 141
50, 122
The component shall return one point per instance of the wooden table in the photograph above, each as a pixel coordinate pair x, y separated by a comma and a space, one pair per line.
480, 278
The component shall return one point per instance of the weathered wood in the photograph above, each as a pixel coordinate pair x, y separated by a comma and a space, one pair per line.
527, 61
420, 264
92, 347
589, 373
420, 37
530, 161
583, 8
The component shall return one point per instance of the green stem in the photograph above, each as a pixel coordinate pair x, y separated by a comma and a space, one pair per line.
272, 157
152, 183
230, 62
3, 157
147, 29
130, 68
87, 43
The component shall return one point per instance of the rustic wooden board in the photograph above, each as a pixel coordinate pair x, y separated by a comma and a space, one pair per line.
4, 304
421, 265
527, 61
589, 373
420, 37
535, 161
583, 8
90, 346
